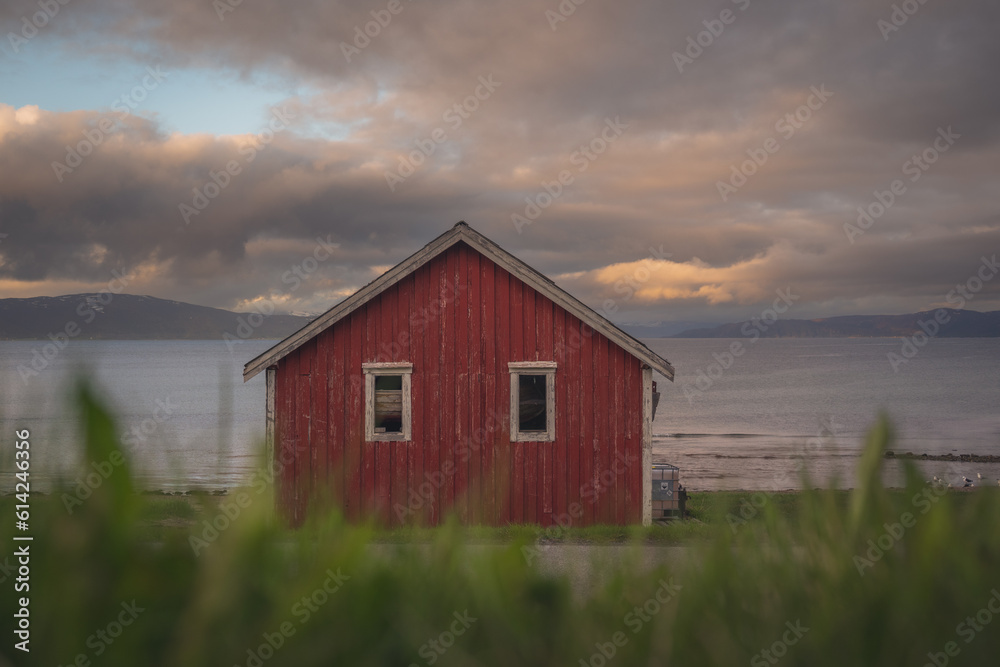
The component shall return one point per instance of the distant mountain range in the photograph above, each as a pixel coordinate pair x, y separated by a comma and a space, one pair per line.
128, 317
663, 329
957, 324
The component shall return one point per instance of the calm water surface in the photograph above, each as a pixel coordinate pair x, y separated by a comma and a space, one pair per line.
189, 421
785, 396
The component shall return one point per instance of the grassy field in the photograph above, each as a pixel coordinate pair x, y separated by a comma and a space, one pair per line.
166, 516
867, 577
708, 511
163, 516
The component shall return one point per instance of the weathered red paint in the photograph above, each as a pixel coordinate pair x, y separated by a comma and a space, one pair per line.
459, 319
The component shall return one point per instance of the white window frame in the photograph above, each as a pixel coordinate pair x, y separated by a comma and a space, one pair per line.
548, 369
371, 371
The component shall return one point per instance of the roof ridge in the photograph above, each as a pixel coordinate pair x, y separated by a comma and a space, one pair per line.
461, 232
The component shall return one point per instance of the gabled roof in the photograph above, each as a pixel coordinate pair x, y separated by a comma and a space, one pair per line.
461, 232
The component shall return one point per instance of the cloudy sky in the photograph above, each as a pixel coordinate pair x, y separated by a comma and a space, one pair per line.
680, 161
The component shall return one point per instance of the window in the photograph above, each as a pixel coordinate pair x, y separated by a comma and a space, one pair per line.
387, 401
532, 401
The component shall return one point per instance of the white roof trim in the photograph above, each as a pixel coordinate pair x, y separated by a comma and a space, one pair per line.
489, 249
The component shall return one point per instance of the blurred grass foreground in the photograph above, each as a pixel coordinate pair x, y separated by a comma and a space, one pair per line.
885, 578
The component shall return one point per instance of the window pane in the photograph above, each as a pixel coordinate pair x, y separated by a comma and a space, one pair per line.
532, 402
388, 403
389, 382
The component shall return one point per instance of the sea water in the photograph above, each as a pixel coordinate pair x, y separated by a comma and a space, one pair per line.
747, 421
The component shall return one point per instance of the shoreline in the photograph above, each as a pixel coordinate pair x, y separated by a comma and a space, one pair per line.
960, 458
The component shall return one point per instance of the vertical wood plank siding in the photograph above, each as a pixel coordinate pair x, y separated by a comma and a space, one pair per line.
459, 320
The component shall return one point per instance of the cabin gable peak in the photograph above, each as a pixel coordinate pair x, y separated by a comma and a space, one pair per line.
461, 232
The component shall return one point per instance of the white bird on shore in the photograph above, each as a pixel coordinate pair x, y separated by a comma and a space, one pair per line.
979, 476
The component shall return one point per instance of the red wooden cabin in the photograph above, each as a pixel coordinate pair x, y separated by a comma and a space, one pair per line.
462, 380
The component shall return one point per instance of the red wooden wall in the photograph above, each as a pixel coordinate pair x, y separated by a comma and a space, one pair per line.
459, 319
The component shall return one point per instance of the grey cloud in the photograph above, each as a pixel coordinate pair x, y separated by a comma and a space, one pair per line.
657, 186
